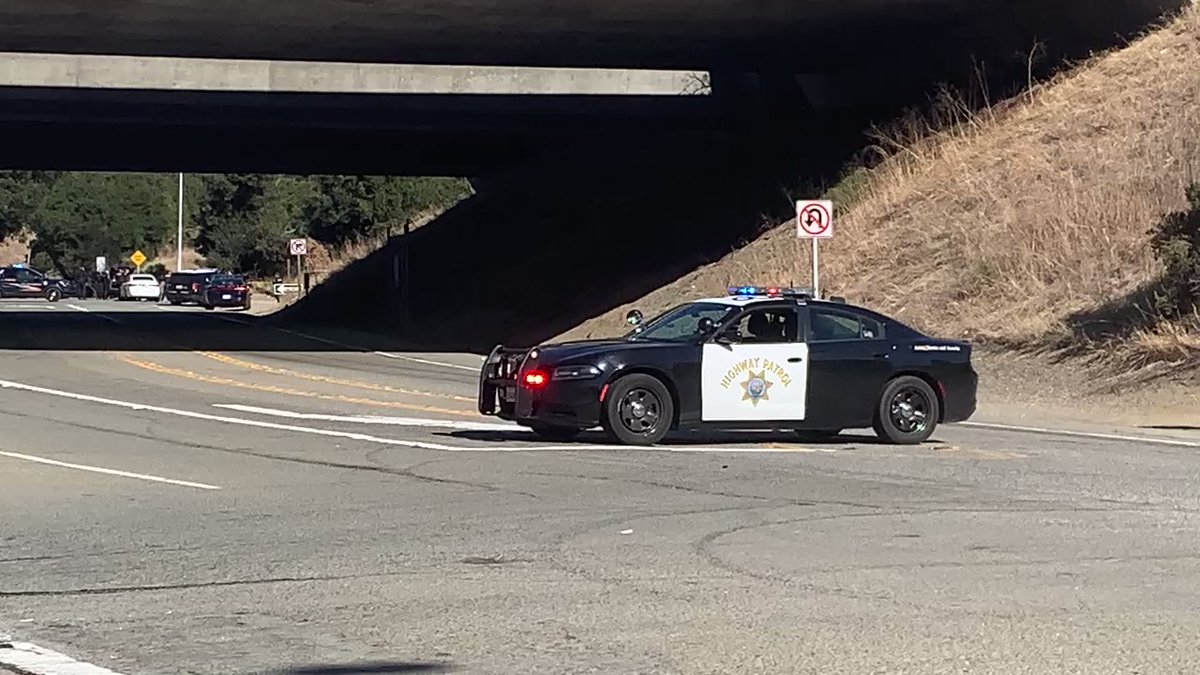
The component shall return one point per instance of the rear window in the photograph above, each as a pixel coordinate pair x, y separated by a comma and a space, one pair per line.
180, 277
226, 280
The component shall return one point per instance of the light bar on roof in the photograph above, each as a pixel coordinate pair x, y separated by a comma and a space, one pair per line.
768, 291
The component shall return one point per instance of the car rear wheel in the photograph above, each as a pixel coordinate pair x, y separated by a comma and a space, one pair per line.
54, 295
638, 410
907, 412
555, 433
210, 307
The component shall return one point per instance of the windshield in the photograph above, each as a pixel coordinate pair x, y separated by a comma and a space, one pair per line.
683, 322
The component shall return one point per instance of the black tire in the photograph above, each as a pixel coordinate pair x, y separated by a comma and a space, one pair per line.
209, 307
176, 303
555, 433
816, 435
908, 411
53, 295
638, 410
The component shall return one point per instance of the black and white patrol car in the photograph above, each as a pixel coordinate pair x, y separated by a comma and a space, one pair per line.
759, 358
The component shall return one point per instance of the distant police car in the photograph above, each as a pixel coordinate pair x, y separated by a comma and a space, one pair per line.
760, 358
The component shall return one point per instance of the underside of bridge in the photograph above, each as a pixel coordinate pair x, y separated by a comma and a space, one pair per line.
587, 201
792, 35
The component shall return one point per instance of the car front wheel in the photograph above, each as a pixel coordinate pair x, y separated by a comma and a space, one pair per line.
908, 411
54, 295
638, 410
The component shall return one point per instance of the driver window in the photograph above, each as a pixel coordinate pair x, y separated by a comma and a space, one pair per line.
27, 276
766, 326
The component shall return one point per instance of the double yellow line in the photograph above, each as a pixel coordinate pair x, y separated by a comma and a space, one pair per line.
288, 391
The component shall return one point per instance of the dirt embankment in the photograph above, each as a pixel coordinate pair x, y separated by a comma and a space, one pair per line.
1024, 228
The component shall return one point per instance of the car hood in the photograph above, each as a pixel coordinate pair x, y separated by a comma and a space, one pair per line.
562, 351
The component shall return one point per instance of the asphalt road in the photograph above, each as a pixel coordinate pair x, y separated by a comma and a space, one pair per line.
289, 505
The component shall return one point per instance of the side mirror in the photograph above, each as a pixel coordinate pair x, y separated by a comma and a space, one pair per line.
633, 318
705, 325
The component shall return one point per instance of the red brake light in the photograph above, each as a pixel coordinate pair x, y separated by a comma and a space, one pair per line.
535, 379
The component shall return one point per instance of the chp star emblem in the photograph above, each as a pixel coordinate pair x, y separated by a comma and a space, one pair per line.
756, 388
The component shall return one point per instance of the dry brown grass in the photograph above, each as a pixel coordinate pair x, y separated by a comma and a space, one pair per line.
1005, 224
14, 249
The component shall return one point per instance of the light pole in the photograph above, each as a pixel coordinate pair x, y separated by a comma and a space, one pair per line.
179, 235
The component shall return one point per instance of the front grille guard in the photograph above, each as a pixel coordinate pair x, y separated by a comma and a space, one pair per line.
500, 369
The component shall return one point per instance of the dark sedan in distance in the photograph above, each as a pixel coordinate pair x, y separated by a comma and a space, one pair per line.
226, 290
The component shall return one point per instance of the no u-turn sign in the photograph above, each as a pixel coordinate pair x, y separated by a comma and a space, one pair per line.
814, 219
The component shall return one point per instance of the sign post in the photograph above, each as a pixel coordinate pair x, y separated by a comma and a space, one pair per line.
299, 248
814, 220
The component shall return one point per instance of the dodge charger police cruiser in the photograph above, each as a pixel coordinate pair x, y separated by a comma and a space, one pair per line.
758, 358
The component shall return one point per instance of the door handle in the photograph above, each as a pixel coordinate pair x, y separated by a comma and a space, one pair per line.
795, 359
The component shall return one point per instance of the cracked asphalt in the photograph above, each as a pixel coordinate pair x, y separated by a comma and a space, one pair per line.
334, 511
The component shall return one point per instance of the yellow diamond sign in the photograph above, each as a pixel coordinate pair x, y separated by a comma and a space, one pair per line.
137, 258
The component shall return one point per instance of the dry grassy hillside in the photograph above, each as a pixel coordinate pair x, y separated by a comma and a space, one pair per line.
1012, 225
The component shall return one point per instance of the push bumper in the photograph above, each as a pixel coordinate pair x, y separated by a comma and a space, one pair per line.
501, 394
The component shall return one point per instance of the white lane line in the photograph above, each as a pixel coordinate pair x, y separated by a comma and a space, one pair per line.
1083, 434
414, 359
85, 310
6, 384
27, 657
111, 472
371, 419
368, 438
46, 306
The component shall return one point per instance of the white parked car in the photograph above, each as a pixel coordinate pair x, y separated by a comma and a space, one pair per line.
141, 287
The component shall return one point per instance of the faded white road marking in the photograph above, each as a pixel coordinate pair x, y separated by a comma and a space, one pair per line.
371, 419
1084, 434
484, 426
85, 310
335, 343
27, 657
7, 306
111, 472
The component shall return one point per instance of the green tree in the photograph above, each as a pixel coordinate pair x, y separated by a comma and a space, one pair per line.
83, 215
345, 209
246, 219
21, 192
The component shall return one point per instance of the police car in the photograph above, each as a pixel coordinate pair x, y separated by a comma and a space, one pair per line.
758, 358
